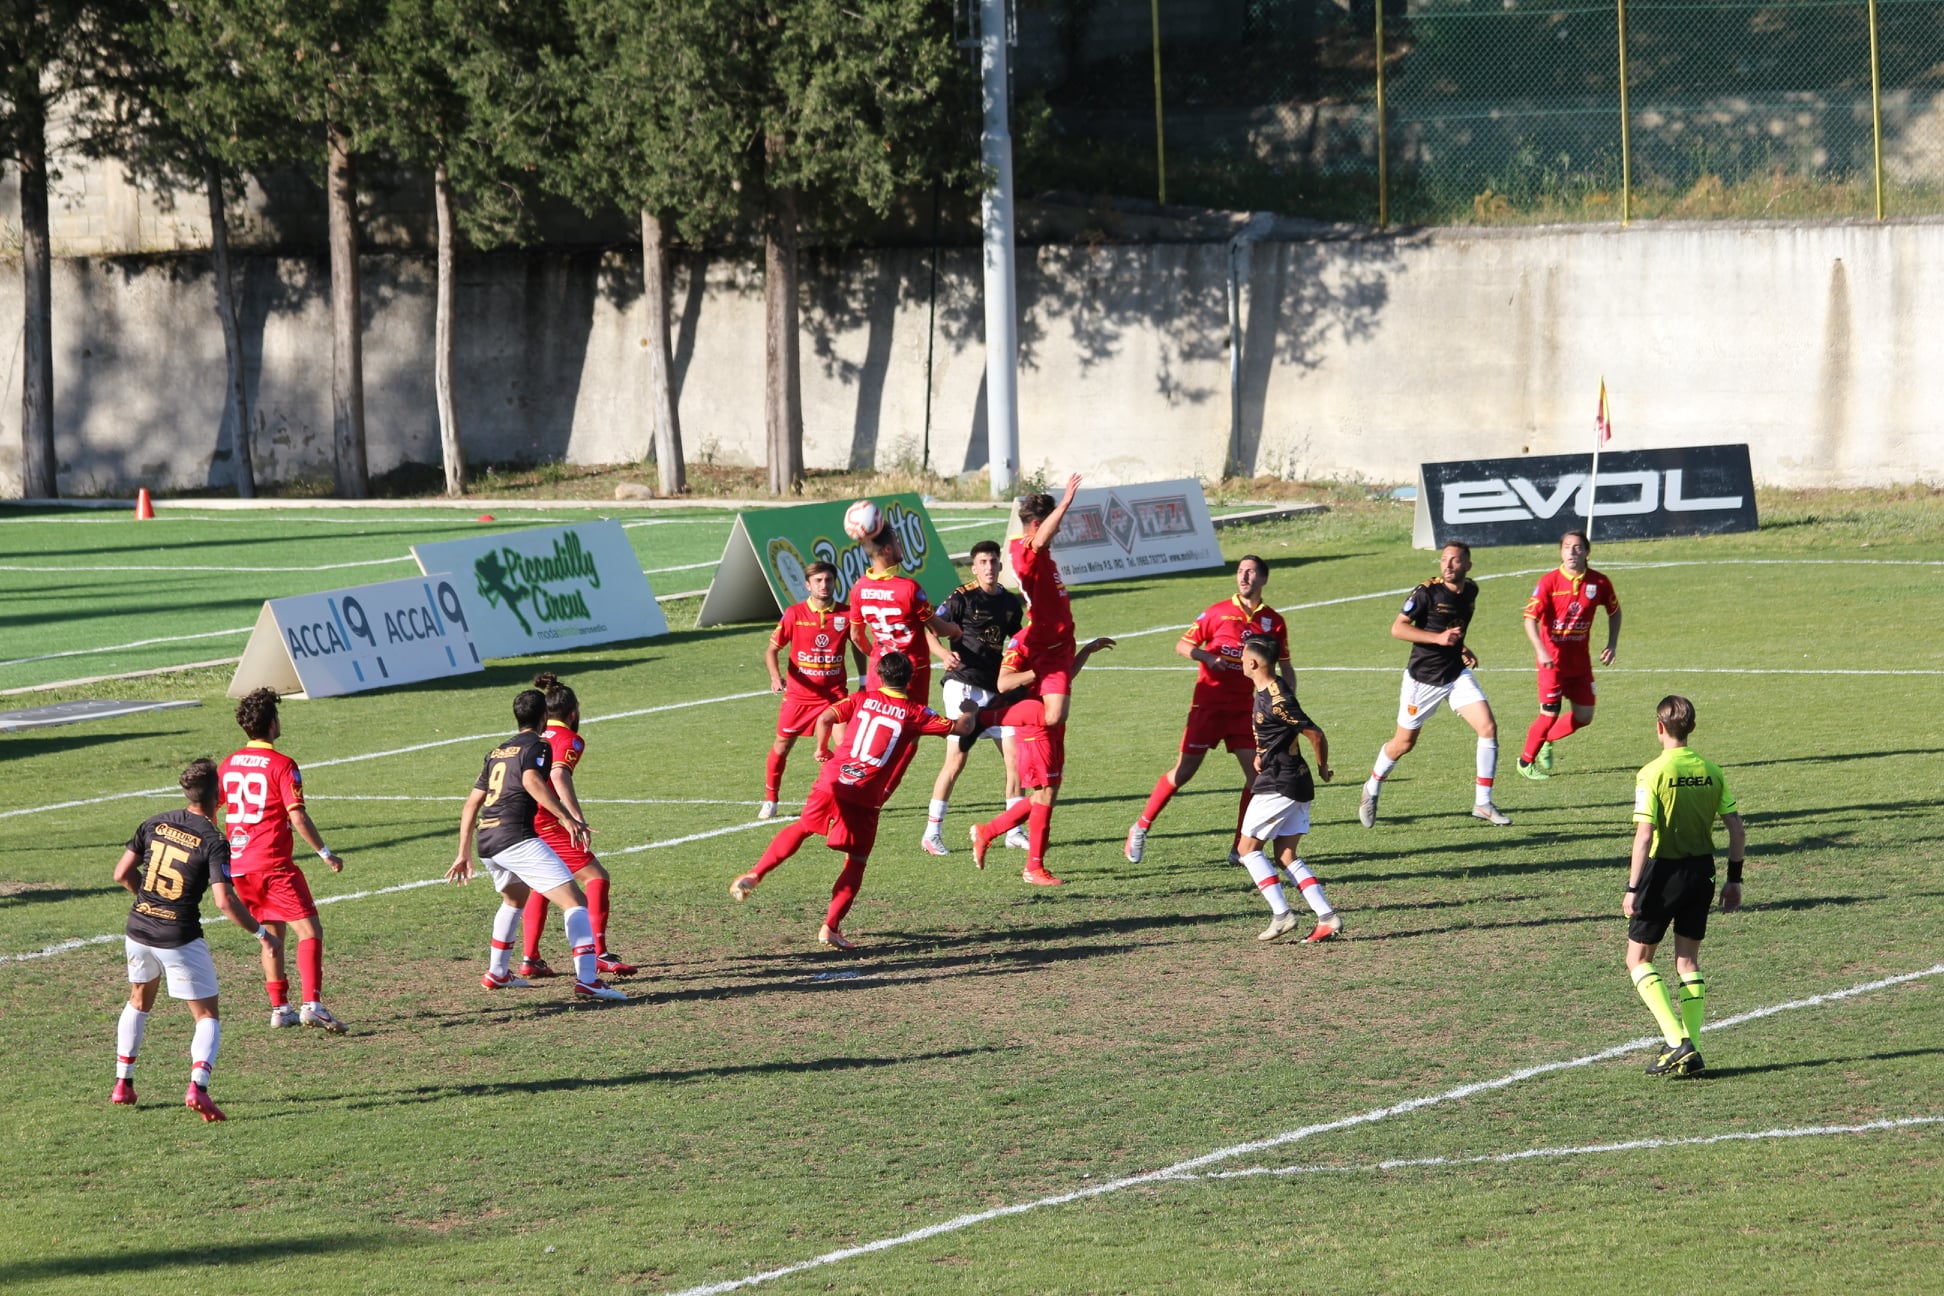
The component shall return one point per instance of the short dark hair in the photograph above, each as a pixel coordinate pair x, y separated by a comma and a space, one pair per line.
198, 782
1263, 649
561, 700
894, 670
530, 708
986, 547
1459, 545
1035, 508
1676, 715
1262, 564
257, 712
820, 568
1584, 539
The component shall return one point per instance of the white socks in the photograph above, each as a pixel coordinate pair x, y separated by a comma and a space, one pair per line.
506, 934
1487, 767
128, 1040
202, 1050
1266, 881
1312, 889
935, 818
1385, 764
580, 939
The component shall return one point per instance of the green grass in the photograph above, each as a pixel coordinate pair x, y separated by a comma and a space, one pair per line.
1001, 1043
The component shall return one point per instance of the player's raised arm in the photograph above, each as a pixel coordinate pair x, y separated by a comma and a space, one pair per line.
462, 869
1101, 644
1050, 524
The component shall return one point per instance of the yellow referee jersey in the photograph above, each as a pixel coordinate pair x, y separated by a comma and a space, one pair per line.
1681, 793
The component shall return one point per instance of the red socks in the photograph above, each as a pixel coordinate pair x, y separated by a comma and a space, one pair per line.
781, 847
1010, 818
1548, 728
279, 992
1038, 819
849, 883
532, 921
773, 774
597, 909
1164, 788
1563, 726
310, 969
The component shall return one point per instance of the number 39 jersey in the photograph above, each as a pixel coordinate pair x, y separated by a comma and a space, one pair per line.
506, 817
877, 724
177, 856
261, 786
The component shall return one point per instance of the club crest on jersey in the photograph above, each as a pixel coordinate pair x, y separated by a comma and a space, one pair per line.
1410, 605
1592, 591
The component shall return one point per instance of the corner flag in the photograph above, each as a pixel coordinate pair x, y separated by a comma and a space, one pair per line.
1601, 419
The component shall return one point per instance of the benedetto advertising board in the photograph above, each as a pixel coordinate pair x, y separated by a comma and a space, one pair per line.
1689, 490
762, 566
1114, 532
547, 588
357, 639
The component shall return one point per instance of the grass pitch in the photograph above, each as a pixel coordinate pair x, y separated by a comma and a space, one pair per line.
763, 1103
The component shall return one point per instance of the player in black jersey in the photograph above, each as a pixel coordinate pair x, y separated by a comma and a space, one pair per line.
1433, 621
169, 863
989, 614
1279, 807
500, 810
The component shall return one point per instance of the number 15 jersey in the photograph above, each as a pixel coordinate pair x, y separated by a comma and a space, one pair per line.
261, 786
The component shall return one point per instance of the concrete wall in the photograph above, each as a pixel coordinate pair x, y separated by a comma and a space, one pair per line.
1363, 356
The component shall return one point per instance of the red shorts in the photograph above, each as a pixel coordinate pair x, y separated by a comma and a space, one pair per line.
846, 826
574, 857
1041, 754
276, 894
1052, 671
1575, 685
1209, 725
798, 716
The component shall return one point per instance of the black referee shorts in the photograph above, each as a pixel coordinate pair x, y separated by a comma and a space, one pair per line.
1676, 891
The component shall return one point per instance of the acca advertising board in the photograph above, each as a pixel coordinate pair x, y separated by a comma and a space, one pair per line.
548, 588
365, 637
1692, 490
1113, 532
762, 568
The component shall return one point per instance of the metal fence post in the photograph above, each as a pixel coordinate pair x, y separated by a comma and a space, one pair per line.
1626, 128
1383, 134
1876, 110
1160, 147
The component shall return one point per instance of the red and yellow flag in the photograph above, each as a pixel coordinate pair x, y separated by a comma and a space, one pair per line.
1601, 419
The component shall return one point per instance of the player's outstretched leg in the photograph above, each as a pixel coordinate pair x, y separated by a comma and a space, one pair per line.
785, 844
983, 835
1374, 786
1039, 820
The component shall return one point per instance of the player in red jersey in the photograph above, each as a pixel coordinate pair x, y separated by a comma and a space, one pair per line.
567, 746
1046, 641
814, 632
1041, 751
263, 801
1559, 622
880, 722
1222, 708
890, 613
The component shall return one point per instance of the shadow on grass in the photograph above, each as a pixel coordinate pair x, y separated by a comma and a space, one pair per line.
204, 1256
1722, 1073
44, 895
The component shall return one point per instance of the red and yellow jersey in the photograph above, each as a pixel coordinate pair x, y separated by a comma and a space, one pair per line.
566, 748
1049, 613
1221, 630
814, 663
1563, 606
261, 786
889, 613
878, 723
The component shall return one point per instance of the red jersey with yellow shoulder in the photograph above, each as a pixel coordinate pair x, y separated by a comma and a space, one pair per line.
565, 748
1049, 612
1221, 630
879, 724
261, 786
889, 613
1563, 606
814, 665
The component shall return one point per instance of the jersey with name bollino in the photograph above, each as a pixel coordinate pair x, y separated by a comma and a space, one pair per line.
877, 724
177, 855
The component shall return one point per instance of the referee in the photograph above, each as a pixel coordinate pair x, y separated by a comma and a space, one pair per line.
1677, 798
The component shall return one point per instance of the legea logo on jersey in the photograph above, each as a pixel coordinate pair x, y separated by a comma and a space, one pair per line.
530, 582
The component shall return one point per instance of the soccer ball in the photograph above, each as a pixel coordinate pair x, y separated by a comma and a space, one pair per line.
862, 519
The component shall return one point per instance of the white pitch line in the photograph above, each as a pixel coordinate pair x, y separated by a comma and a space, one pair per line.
1182, 1169
647, 801
137, 643
1590, 1149
343, 566
656, 571
696, 837
1604, 670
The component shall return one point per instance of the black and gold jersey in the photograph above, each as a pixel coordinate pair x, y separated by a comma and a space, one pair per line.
177, 856
1279, 724
1436, 607
988, 620
506, 817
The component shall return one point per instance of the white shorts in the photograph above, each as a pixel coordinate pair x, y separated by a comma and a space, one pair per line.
191, 972
1270, 816
1418, 701
958, 692
532, 862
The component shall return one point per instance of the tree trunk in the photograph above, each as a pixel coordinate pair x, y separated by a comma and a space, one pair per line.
662, 415
38, 465
449, 448
783, 392
347, 341
232, 337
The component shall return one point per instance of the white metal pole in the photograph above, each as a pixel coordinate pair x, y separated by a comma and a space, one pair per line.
1001, 309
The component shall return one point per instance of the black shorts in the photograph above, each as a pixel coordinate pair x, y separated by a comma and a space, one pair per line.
1676, 891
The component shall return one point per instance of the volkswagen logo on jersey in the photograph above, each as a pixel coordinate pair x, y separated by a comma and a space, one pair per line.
823, 641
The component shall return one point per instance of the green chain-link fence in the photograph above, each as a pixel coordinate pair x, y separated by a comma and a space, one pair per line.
1492, 110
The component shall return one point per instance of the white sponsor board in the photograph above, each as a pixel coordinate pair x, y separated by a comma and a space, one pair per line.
540, 590
364, 637
1114, 532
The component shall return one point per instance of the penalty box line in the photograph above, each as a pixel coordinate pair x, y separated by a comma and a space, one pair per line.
1185, 1169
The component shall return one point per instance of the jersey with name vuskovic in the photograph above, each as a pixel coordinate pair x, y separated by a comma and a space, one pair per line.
1279, 723
506, 818
1681, 793
177, 856
1436, 607
988, 620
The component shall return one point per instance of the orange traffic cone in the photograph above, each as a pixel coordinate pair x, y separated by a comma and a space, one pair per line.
144, 508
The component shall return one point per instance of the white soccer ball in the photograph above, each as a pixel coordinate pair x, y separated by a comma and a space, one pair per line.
862, 519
